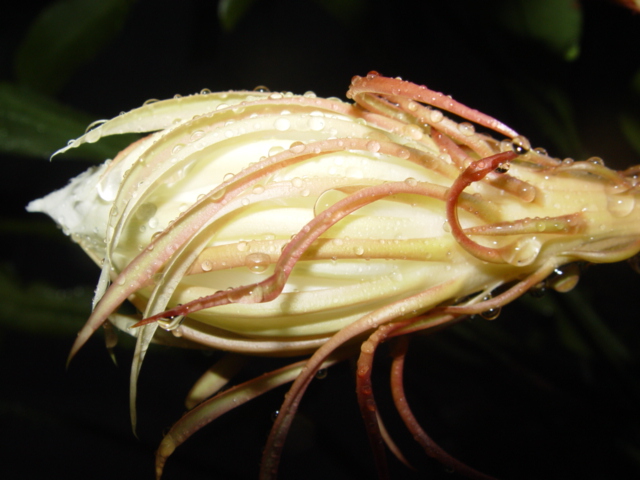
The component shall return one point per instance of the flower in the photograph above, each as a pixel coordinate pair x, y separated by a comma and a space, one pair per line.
272, 223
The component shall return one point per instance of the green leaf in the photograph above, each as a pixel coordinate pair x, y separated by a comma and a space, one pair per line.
551, 111
343, 10
34, 125
630, 126
39, 308
230, 12
63, 37
556, 24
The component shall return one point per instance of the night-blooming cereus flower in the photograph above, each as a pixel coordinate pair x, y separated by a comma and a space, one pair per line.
272, 223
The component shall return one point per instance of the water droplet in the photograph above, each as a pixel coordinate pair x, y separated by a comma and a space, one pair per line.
503, 167
326, 199
206, 266
275, 96
258, 190
359, 250
524, 252
596, 161
565, 278
275, 150
198, 134
176, 148
446, 226
205, 91
146, 211
242, 246
541, 151
491, 314
282, 124
257, 262
261, 89
412, 182
150, 101
520, 145
108, 187
373, 146
316, 123
466, 128
93, 132
436, 116
620, 205
322, 373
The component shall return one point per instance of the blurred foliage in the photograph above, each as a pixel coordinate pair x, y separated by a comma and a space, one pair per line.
63, 37
556, 24
549, 67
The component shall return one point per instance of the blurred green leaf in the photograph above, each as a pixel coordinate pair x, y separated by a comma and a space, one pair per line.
34, 125
556, 24
230, 12
551, 111
630, 126
344, 10
41, 309
63, 37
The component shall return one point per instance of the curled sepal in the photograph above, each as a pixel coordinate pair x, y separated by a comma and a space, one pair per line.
213, 408
474, 173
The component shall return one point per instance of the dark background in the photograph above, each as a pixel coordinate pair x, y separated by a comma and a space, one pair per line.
550, 390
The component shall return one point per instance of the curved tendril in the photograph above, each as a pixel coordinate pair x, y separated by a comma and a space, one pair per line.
431, 448
474, 172
211, 409
373, 83
508, 296
419, 302
366, 400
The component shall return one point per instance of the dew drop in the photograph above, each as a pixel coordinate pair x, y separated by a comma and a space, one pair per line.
412, 182
521, 145
524, 252
275, 150
206, 266
620, 205
282, 124
261, 89
316, 123
108, 188
436, 116
146, 211
541, 151
491, 314
176, 148
257, 262
197, 135
258, 190
466, 128
359, 250
503, 168
373, 146
565, 278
